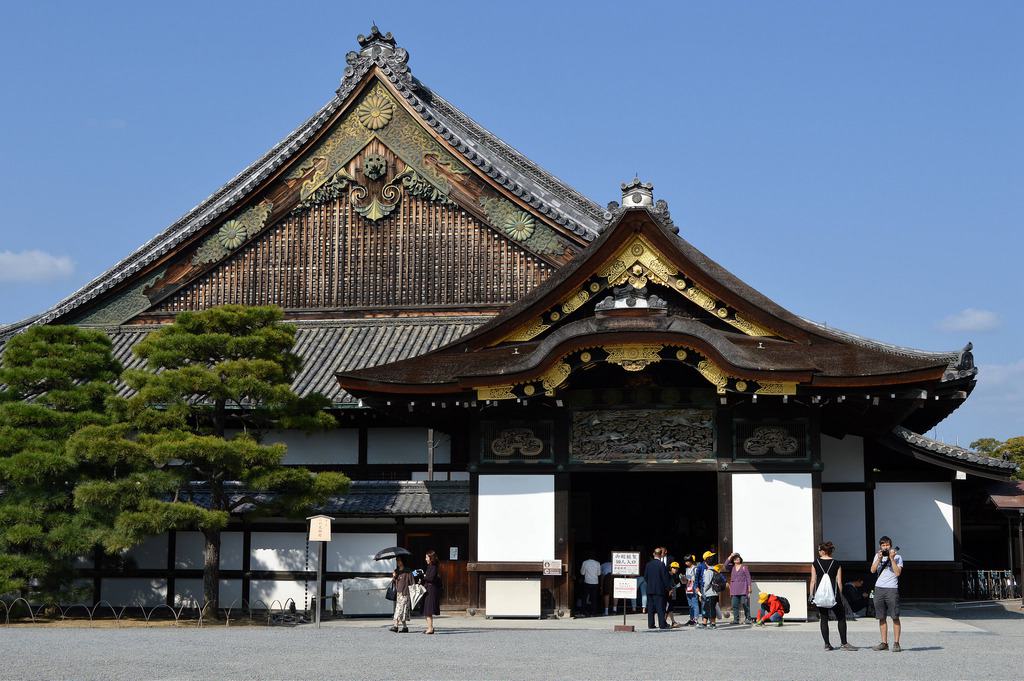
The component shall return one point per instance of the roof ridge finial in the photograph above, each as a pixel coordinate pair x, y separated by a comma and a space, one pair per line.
375, 48
637, 194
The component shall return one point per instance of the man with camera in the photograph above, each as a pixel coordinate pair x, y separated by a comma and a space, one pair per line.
888, 564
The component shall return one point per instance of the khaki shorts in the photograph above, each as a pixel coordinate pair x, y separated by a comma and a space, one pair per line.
887, 603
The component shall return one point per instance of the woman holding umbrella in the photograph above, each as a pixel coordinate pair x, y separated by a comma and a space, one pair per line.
402, 580
432, 599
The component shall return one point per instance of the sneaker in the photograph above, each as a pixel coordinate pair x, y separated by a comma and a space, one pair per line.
702, 626
896, 648
847, 646
712, 626
403, 630
758, 624
828, 647
881, 646
393, 630
779, 623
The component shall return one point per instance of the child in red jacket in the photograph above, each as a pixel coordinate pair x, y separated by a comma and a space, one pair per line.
771, 609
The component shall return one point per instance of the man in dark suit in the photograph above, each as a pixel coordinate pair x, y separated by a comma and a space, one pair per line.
658, 583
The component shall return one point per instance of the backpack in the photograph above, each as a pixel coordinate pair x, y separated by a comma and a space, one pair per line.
718, 583
784, 602
824, 595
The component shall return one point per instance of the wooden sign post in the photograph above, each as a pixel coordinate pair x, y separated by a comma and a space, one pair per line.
320, 532
625, 570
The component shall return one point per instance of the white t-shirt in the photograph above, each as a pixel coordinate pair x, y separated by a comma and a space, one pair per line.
591, 571
887, 579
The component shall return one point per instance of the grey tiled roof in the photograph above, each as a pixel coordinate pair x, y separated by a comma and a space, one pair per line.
327, 347
378, 498
952, 451
544, 192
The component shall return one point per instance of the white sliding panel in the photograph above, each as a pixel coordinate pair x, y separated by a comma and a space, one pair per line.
918, 516
842, 523
338, 446
353, 552
405, 445
191, 591
282, 551
189, 546
843, 460
151, 554
133, 591
773, 517
516, 518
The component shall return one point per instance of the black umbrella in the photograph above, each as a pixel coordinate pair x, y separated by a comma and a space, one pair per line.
393, 552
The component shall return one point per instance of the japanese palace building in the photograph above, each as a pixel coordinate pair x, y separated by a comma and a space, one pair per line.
523, 375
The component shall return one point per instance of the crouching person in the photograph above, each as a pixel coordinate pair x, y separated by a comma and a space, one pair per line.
771, 610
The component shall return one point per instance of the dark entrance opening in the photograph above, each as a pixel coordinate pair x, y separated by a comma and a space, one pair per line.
640, 511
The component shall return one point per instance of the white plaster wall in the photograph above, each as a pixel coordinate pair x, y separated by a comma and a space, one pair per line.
773, 517
270, 590
188, 550
405, 445
516, 518
354, 551
191, 591
338, 446
843, 460
133, 591
281, 551
918, 516
151, 554
843, 524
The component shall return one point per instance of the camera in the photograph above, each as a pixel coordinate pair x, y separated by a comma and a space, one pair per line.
885, 552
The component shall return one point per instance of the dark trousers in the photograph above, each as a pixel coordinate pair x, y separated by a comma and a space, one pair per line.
840, 612
590, 593
656, 603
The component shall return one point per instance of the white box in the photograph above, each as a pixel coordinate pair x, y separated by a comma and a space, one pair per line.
513, 598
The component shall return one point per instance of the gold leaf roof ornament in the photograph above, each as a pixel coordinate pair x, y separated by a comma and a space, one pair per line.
375, 111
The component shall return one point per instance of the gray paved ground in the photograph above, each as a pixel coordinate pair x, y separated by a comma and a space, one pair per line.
985, 643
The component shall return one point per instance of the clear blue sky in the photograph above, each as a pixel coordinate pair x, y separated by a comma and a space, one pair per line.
860, 164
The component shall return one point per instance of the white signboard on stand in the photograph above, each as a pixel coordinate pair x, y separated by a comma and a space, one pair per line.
625, 587
626, 563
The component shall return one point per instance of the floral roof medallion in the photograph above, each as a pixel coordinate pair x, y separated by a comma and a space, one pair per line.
375, 111
231, 234
520, 226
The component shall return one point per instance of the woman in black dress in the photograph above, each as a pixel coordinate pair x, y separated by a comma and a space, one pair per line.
432, 599
826, 567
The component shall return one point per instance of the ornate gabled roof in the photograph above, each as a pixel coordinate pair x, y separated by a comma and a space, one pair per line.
378, 53
695, 312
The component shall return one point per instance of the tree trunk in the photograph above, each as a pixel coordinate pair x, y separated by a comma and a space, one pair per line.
211, 573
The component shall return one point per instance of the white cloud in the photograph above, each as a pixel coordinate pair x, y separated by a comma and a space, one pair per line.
33, 266
971, 319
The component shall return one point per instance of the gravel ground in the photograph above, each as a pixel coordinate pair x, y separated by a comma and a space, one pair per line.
979, 644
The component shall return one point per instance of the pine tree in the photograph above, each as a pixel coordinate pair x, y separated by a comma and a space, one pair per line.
188, 441
55, 380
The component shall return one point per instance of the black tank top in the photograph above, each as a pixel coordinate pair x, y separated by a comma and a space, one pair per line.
827, 566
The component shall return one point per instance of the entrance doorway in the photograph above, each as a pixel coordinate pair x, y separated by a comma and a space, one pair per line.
640, 511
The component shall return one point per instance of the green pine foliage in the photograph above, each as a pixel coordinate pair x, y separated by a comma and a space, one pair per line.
187, 443
55, 380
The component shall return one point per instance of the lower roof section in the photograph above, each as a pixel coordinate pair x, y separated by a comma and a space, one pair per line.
949, 456
377, 499
327, 347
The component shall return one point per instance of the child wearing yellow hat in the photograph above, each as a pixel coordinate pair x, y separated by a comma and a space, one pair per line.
771, 609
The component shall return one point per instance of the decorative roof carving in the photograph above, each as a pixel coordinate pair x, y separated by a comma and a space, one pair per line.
962, 366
